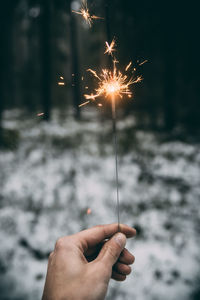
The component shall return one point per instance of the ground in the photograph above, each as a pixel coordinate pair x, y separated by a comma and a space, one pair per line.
60, 169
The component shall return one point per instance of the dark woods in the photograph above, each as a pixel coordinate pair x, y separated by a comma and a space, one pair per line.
42, 40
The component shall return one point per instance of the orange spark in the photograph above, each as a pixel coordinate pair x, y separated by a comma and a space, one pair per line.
84, 103
110, 48
128, 66
84, 12
89, 211
143, 62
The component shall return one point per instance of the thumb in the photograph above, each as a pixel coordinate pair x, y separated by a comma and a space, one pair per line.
112, 249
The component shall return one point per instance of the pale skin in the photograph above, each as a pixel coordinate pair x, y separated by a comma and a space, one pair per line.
82, 264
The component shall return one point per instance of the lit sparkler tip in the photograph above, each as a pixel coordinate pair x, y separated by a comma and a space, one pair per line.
112, 82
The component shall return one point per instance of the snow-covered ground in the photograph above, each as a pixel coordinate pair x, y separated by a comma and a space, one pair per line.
62, 168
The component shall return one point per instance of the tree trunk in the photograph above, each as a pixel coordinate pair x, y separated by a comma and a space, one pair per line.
45, 47
74, 63
6, 56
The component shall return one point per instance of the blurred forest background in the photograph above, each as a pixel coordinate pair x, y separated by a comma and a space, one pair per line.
57, 160
42, 40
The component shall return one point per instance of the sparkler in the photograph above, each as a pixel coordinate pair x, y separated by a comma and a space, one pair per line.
113, 84
85, 13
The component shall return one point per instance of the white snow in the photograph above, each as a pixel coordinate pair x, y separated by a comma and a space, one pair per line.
63, 167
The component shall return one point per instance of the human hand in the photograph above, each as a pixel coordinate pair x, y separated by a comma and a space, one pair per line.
82, 264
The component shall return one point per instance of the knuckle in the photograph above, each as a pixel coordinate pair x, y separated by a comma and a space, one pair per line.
59, 244
51, 255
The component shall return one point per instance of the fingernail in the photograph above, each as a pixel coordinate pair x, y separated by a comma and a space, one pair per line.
120, 239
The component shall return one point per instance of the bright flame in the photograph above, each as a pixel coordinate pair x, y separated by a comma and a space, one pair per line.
110, 48
112, 83
84, 12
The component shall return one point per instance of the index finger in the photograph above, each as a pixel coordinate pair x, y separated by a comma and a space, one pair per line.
93, 236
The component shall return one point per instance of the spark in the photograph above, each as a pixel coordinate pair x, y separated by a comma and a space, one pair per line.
61, 77
128, 66
110, 48
85, 13
40, 114
89, 211
84, 103
143, 62
61, 83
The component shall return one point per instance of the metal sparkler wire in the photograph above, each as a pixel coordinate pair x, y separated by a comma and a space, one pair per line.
116, 158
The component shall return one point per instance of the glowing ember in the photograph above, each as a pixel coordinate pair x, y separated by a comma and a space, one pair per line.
84, 103
128, 66
61, 83
110, 48
40, 114
89, 211
143, 62
84, 12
